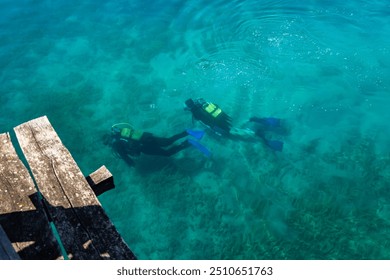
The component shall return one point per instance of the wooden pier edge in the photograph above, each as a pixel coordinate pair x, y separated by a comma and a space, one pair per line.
22, 216
67, 199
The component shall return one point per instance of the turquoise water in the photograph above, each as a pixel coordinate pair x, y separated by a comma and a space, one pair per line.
324, 68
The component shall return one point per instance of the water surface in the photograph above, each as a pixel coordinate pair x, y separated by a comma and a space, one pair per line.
322, 67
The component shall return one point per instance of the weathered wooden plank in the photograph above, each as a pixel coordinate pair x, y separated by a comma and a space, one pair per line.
101, 180
85, 229
26, 224
7, 252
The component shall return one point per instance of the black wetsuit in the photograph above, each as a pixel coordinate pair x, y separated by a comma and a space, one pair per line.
153, 145
150, 145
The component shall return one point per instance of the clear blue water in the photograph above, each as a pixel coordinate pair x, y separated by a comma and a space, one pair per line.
324, 68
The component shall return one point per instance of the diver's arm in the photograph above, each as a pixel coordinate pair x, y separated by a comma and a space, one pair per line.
122, 151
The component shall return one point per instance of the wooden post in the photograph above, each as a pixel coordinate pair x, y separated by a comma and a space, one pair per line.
84, 228
101, 180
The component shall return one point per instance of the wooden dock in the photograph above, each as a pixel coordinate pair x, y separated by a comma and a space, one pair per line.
52, 213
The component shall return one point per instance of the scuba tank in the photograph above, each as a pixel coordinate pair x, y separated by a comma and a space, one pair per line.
126, 137
210, 114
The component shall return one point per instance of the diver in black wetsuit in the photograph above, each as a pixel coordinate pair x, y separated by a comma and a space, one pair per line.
128, 142
214, 117
210, 114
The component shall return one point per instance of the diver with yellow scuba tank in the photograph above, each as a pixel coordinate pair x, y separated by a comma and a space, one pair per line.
215, 118
129, 142
209, 114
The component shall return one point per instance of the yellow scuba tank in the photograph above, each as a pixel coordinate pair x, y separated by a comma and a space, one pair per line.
212, 109
126, 131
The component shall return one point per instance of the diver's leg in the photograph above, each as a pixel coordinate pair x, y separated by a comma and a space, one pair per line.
158, 151
267, 122
166, 141
177, 148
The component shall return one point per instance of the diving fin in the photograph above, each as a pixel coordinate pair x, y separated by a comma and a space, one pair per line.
271, 122
274, 145
200, 147
198, 134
